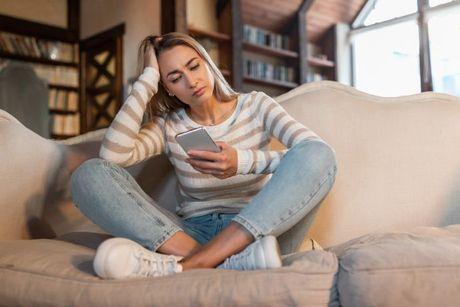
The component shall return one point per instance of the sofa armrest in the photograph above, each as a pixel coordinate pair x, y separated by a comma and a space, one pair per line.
81, 148
35, 172
29, 163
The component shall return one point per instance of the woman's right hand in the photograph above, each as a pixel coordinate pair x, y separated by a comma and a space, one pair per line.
150, 59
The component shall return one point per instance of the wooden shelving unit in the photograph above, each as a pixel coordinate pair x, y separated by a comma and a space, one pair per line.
232, 16
63, 112
63, 87
269, 50
317, 62
218, 42
77, 103
58, 136
27, 34
222, 37
271, 82
323, 68
223, 42
31, 59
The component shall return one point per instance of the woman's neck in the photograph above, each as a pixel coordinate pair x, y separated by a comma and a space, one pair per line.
212, 112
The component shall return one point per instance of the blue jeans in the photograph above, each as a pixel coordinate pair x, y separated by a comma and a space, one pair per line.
285, 207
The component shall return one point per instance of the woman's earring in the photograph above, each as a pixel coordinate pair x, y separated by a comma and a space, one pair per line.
170, 94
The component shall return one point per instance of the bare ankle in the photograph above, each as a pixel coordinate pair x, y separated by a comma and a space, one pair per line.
180, 244
190, 263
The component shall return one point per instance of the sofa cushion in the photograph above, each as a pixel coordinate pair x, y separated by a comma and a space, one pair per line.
416, 268
57, 273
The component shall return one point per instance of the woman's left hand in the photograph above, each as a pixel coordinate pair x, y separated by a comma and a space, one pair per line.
222, 164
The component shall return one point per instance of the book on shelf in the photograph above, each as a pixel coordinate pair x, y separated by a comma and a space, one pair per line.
38, 48
63, 100
261, 70
314, 76
57, 74
65, 124
72, 101
263, 37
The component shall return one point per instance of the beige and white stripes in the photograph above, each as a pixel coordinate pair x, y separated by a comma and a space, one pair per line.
126, 142
256, 119
276, 122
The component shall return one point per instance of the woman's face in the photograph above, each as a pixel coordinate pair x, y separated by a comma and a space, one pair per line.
184, 72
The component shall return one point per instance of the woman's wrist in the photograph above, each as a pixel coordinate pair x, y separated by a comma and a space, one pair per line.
244, 161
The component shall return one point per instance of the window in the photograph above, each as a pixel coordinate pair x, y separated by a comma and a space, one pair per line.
445, 52
389, 9
386, 48
438, 2
378, 55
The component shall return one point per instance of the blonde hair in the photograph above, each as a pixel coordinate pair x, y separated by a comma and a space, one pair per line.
161, 103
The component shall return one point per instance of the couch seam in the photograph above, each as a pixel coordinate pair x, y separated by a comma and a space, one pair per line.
381, 270
140, 280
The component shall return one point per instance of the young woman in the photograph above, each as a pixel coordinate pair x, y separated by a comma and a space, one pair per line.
236, 202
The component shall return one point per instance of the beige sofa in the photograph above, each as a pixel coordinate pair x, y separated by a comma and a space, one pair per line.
398, 170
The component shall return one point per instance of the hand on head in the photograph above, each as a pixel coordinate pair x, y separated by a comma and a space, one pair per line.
150, 58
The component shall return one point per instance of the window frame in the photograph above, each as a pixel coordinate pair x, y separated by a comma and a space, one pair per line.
421, 17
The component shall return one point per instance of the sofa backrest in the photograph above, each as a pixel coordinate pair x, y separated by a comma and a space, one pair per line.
398, 166
398, 158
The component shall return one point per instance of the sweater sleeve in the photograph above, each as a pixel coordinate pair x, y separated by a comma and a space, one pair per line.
278, 124
127, 141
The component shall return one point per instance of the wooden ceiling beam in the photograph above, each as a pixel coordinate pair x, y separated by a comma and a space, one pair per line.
306, 5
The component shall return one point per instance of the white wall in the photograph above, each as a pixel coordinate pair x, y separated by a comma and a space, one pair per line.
141, 18
50, 12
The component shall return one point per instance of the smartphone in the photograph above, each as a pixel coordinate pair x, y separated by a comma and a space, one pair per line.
198, 139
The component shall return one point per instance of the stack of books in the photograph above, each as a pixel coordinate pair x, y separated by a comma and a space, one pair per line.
261, 70
39, 48
65, 124
266, 38
57, 74
63, 100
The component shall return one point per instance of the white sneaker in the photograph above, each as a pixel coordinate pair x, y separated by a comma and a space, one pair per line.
118, 258
260, 255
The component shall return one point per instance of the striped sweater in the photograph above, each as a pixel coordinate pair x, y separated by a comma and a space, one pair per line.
255, 120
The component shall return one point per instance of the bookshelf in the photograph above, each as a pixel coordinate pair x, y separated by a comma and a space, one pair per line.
269, 50
257, 47
53, 54
85, 77
321, 59
281, 34
215, 43
269, 60
217, 38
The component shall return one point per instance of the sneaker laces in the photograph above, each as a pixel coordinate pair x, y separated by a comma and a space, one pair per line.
156, 265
